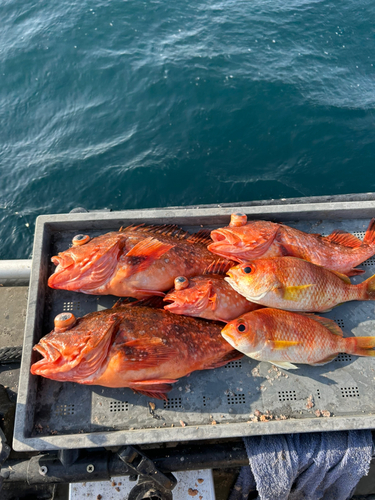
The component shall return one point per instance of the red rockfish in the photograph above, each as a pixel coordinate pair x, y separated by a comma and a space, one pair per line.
283, 338
208, 296
244, 241
296, 285
131, 345
138, 261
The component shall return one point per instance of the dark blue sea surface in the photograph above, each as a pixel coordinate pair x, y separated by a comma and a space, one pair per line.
133, 104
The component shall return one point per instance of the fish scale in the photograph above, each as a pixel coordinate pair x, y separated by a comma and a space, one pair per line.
296, 285
284, 338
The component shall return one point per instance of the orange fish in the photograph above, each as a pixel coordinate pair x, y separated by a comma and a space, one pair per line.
208, 296
244, 241
296, 285
131, 345
138, 261
283, 338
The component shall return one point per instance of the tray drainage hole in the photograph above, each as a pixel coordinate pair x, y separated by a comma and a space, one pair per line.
118, 406
343, 357
349, 392
369, 262
71, 306
359, 234
173, 403
64, 410
287, 396
340, 322
236, 399
234, 364
318, 393
206, 400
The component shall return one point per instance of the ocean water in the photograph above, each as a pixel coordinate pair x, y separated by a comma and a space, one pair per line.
134, 104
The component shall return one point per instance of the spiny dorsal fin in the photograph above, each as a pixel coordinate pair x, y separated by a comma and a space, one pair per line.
154, 302
219, 267
343, 238
171, 230
327, 323
203, 237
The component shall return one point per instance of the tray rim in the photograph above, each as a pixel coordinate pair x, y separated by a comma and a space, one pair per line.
209, 216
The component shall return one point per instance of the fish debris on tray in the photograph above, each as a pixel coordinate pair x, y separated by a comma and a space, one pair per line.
208, 296
131, 345
296, 285
340, 251
138, 261
284, 338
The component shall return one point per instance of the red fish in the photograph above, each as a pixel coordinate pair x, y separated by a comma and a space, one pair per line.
137, 261
208, 296
131, 345
296, 285
244, 241
283, 338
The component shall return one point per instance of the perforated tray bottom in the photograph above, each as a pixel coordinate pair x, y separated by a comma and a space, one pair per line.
244, 397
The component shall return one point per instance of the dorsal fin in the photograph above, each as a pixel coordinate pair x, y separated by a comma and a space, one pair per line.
327, 323
219, 267
154, 302
343, 238
171, 230
203, 237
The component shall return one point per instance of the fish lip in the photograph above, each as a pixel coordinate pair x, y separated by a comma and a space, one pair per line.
224, 235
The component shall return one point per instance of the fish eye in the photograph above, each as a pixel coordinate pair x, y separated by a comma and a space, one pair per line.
241, 327
64, 321
247, 269
181, 282
80, 239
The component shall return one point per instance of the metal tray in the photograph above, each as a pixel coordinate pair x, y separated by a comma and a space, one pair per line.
208, 404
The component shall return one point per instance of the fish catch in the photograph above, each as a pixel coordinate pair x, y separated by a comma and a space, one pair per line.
208, 296
284, 338
296, 285
244, 241
138, 261
131, 345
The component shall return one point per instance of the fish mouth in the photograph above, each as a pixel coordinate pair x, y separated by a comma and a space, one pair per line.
228, 335
224, 235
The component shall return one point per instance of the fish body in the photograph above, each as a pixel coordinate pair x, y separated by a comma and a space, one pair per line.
132, 345
296, 285
138, 261
284, 338
339, 251
208, 296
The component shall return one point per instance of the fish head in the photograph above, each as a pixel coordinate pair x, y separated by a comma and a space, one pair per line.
78, 352
241, 334
252, 279
244, 242
89, 265
192, 299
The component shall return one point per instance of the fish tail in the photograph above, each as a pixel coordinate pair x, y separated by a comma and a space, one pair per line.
369, 238
360, 346
368, 289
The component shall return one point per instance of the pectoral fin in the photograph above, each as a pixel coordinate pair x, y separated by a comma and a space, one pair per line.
148, 353
294, 292
144, 253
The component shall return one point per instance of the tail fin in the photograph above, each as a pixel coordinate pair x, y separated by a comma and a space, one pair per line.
369, 238
360, 346
368, 287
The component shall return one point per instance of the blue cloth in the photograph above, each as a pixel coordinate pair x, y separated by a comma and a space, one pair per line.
322, 465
